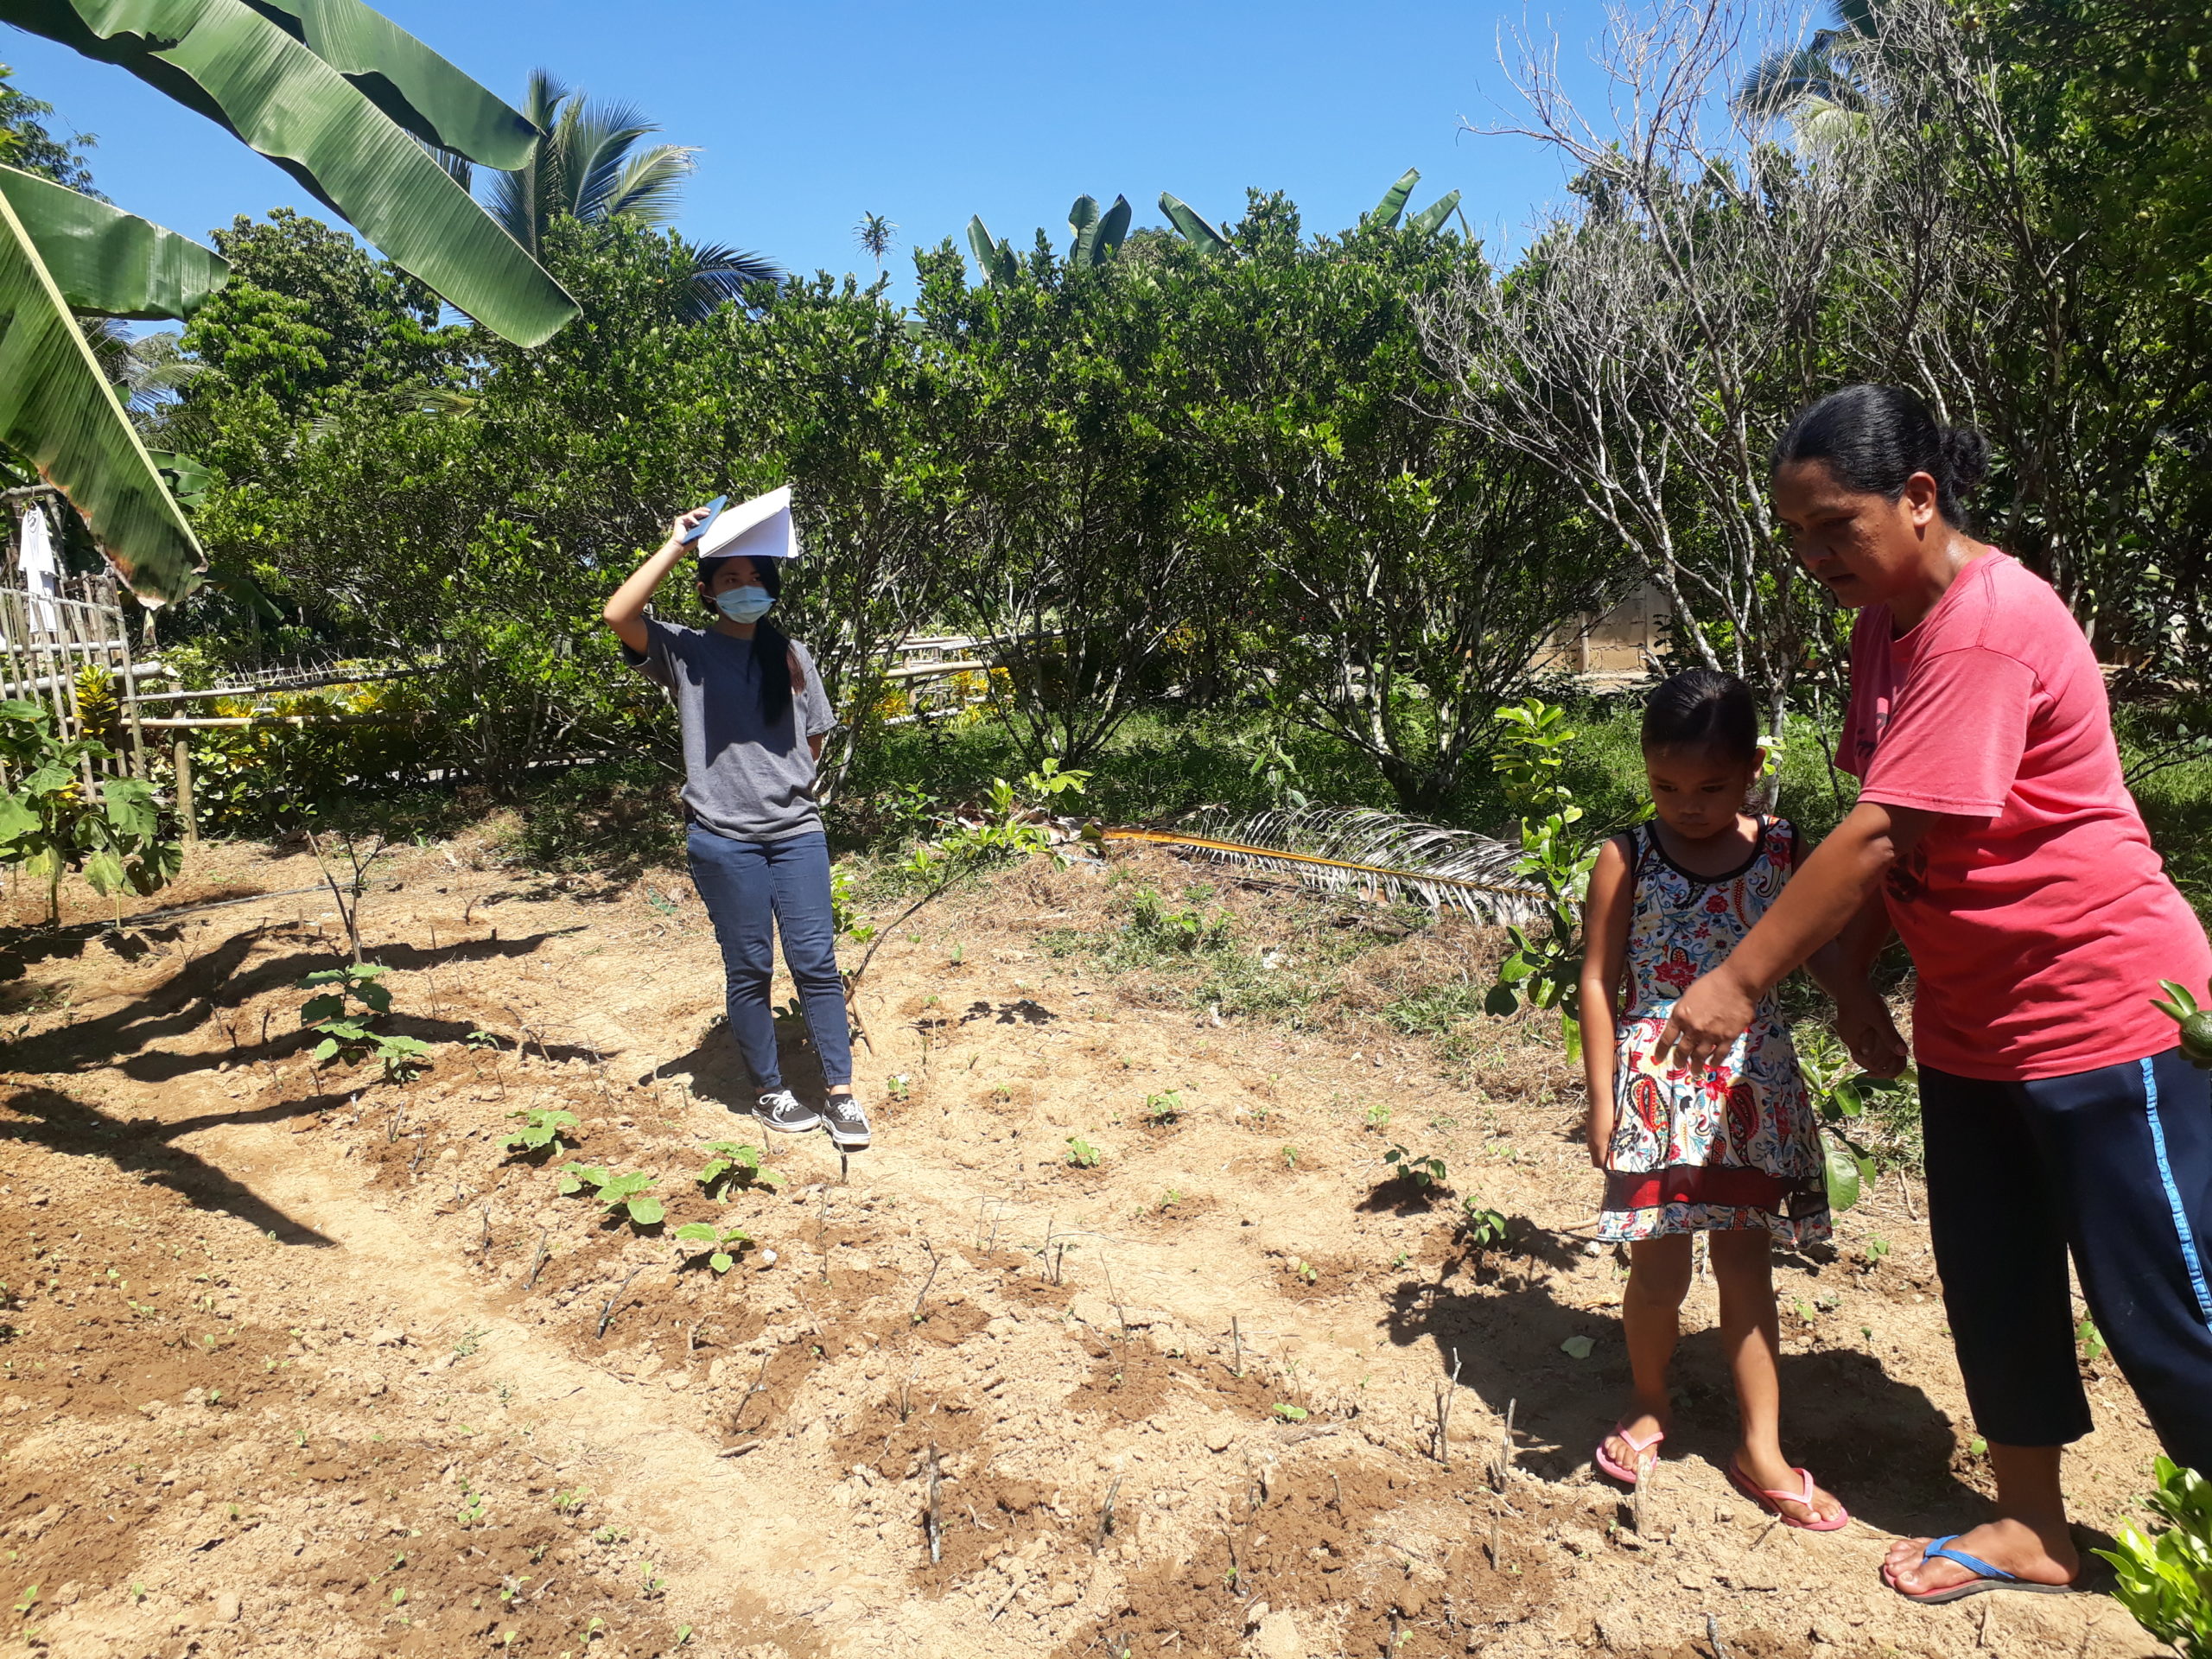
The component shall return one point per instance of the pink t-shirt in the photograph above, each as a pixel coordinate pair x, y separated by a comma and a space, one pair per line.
2039, 919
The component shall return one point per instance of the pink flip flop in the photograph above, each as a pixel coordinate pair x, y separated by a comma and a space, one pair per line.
1628, 1477
1767, 1500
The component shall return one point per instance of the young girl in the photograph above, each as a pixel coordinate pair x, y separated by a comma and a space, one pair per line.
753, 714
1735, 1152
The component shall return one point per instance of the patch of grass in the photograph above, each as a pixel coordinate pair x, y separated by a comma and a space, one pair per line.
620, 816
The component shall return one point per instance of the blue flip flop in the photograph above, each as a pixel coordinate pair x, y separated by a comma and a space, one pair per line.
1992, 1577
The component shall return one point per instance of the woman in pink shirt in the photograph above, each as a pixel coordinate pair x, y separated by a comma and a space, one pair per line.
1994, 833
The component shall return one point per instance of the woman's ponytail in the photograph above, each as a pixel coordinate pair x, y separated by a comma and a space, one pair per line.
1875, 438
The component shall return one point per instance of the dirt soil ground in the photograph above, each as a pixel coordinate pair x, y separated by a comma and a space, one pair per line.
301, 1362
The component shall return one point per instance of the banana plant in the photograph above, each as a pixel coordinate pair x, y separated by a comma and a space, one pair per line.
1096, 235
996, 259
244, 70
342, 99
1206, 237
59, 413
1427, 222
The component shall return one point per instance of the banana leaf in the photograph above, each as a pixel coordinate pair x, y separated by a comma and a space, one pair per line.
1195, 231
1112, 229
1431, 219
997, 259
58, 411
109, 262
246, 72
1394, 200
1083, 220
408, 82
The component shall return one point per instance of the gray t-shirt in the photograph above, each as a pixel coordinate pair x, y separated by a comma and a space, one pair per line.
742, 778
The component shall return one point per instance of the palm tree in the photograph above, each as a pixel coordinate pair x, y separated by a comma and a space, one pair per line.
875, 234
1821, 87
590, 168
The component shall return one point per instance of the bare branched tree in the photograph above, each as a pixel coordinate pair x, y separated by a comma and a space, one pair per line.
1656, 338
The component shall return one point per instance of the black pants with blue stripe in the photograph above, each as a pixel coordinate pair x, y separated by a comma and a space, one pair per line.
2116, 1163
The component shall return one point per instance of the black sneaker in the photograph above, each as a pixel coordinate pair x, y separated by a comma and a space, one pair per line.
848, 1122
780, 1110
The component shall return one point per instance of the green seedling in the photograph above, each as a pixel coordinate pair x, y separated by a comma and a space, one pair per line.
734, 1165
623, 1193
1081, 1153
2091, 1341
28, 1601
896, 1086
1162, 1108
2166, 1580
349, 1034
1378, 1117
1290, 1157
540, 1132
1291, 1414
1305, 1270
1169, 1199
719, 1246
1482, 1228
2179, 1005
1423, 1171
569, 1501
1877, 1251
472, 1508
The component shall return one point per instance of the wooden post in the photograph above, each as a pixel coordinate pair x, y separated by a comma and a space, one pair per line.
126, 688
184, 792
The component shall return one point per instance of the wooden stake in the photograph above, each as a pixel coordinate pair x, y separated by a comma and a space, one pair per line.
607, 1314
1106, 1515
936, 1528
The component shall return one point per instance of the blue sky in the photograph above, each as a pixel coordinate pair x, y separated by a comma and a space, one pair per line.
807, 115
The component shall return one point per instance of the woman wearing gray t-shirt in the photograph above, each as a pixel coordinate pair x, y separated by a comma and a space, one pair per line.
753, 714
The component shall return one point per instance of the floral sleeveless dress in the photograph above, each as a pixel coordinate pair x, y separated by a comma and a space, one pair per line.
1740, 1146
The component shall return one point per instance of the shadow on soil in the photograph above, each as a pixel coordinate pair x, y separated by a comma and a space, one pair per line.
70, 1126
1880, 1444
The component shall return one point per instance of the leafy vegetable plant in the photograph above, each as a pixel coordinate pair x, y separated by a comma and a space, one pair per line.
541, 1129
1544, 969
1081, 1153
1841, 1094
2166, 1580
721, 1246
624, 1192
1424, 1171
1163, 1109
732, 1164
2179, 1005
1481, 1227
50, 822
348, 1034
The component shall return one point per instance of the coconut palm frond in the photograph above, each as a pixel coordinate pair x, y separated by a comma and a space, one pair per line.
718, 274
648, 188
1377, 855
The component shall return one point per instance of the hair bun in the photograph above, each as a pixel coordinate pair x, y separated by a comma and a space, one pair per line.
1966, 458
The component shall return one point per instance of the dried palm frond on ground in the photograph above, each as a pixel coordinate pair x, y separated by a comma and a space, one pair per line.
1379, 855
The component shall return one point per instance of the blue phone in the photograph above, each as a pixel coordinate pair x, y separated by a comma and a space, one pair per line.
714, 511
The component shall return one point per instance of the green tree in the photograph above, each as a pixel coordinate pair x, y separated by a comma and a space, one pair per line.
1401, 570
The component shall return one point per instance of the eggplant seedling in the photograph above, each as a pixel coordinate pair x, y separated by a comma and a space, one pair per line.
1163, 1109
1081, 1153
618, 1193
541, 1131
719, 1246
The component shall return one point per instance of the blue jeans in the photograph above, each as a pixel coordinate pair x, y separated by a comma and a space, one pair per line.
747, 886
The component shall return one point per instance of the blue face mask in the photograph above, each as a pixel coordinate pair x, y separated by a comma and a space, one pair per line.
744, 604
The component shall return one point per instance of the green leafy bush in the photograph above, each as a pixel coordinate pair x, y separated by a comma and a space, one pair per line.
50, 823
2166, 1580
1543, 968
